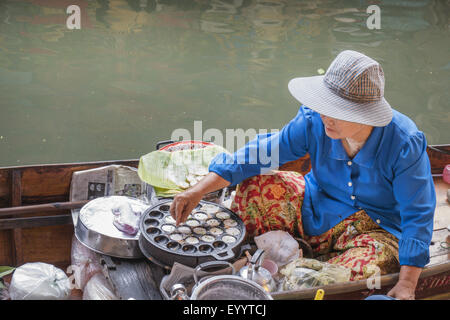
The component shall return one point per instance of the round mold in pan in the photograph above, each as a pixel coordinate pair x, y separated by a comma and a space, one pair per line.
155, 214
228, 239
168, 228
151, 222
213, 222
192, 223
169, 219
189, 248
200, 215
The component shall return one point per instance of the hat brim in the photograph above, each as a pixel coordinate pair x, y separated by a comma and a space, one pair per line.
313, 93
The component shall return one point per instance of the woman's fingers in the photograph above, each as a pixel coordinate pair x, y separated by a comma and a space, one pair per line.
181, 210
173, 207
182, 205
187, 210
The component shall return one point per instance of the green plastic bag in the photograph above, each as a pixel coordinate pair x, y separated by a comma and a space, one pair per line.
173, 172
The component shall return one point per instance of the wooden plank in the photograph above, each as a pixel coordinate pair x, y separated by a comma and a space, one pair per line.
5, 248
49, 183
55, 178
34, 222
433, 285
138, 279
39, 208
49, 244
438, 159
5, 188
444, 296
16, 200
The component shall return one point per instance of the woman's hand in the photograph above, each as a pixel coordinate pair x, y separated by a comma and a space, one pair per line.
403, 290
183, 204
407, 282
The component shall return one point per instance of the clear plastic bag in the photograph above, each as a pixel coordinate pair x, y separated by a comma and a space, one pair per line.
39, 281
85, 263
125, 218
308, 273
98, 288
279, 246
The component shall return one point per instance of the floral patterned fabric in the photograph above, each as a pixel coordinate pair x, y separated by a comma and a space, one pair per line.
274, 202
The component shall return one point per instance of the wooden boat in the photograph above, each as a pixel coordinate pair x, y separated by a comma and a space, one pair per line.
32, 231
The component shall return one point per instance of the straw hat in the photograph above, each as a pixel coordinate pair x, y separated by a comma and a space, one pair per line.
352, 89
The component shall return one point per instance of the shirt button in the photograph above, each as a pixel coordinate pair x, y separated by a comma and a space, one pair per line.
349, 163
378, 221
352, 197
349, 184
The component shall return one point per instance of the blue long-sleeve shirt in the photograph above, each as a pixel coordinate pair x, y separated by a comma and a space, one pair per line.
390, 178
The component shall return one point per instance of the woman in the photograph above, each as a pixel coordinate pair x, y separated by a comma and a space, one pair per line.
368, 202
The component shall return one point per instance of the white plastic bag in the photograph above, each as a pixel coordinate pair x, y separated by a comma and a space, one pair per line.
39, 281
98, 288
85, 263
279, 246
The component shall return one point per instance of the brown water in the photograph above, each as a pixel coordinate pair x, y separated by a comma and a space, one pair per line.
139, 69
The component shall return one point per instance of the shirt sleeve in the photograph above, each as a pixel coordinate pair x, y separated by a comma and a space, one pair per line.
415, 194
266, 151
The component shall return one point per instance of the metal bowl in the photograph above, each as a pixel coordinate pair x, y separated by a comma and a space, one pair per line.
96, 231
228, 287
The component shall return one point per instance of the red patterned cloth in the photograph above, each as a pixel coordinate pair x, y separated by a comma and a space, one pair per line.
274, 202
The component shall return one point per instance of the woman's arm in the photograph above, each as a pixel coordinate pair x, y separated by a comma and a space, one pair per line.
407, 282
262, 153
414, 191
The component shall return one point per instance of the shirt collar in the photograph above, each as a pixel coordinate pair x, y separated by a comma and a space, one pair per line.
365, 157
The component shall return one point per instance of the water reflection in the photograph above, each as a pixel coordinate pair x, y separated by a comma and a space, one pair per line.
138, 69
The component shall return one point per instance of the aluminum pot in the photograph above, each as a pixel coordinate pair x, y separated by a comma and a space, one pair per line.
223, 287
95, 229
